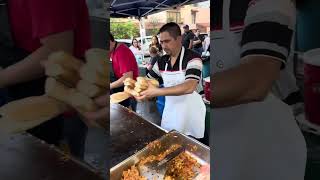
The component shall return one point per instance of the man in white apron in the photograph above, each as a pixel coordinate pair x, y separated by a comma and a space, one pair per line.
255, 136
180, 70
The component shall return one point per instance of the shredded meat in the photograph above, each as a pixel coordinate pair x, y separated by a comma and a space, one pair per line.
182, 167
132, 174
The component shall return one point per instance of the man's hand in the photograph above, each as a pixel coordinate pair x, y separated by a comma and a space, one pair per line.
151, 92
98, 116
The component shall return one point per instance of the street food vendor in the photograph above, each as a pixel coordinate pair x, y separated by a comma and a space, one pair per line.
180, 70
30, 31
254, 135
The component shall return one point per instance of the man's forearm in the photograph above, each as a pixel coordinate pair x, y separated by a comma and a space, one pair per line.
119, 82
27, 69
249, 82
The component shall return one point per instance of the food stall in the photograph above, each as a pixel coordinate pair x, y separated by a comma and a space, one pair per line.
134, 139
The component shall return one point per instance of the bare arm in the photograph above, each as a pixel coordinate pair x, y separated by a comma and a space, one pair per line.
196, 42
119, 82
187, 87
249, 82
29, 68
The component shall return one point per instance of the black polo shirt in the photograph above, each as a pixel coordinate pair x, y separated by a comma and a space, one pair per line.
191, 64
186, 38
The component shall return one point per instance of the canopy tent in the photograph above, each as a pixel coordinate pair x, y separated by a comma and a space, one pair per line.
141, 8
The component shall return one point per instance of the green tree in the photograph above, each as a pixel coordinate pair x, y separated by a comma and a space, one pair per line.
123, 30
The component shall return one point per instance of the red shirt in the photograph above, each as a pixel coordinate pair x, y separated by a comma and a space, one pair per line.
32, 20
124, 61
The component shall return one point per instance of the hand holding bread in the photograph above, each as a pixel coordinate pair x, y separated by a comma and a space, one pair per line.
65, 89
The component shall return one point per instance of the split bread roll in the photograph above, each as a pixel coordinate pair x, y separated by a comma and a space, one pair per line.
59, 72
21, 115
119, 97
141, 86
131, 91
64, 59
142, 81
70, 96
82, 103
94, 77
57, 90
97, 59
89, 89
154, 82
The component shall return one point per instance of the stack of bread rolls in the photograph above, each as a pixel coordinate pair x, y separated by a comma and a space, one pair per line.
133, 88
70, 84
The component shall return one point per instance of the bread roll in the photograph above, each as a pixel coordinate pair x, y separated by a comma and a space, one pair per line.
66, 60
142, 80
57, 90
70, 96
141, 86
20, 115
154, 82
131, 91
98, 60
139, 90
92, 76
119, 97
89, 89
81, 102
57, 71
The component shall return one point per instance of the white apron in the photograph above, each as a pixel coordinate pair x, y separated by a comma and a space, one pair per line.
185, 113
254, 141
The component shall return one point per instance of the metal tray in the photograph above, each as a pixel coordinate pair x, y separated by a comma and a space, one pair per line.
194, 148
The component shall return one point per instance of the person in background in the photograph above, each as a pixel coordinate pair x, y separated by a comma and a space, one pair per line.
187, 38
154, 54
136, 50
38, 28
197, 42
124, 65
155, 43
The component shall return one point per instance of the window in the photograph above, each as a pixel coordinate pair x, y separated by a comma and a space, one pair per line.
193, 17
173, 16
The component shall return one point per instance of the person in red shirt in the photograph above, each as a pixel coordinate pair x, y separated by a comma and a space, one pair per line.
124, 65
39, 28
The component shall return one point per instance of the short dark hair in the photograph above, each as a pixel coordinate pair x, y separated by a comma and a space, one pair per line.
172, 28
111, 37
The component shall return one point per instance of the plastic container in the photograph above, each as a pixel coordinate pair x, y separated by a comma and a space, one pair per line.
312, 85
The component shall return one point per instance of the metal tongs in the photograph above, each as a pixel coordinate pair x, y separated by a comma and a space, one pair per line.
156, 165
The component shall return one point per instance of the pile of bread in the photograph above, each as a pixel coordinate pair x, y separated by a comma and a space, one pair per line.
71, 84
133, 88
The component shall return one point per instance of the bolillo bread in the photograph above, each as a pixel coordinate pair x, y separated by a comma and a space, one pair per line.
89, 89
94, 77
64, 59
97, 59
21, 115
57, 71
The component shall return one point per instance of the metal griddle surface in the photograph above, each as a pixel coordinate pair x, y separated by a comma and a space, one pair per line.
129, 133
24, 157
